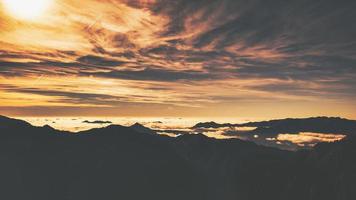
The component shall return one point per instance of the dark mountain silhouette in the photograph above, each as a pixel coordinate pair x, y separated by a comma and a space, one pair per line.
329, 125
109, 163
142, 129
117, 162
212, 125
97, 122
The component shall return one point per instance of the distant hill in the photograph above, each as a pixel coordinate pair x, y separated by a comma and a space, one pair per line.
329, 125
97, 122
117, 162
212, 125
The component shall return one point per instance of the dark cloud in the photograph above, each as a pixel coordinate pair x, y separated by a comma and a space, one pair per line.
153, 74
91, 60
69, 97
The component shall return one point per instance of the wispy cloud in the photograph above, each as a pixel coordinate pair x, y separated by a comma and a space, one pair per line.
204, 54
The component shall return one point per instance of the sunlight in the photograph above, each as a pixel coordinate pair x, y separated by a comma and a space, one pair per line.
26, 10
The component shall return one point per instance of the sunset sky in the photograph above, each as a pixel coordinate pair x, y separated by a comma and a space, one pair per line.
189, 58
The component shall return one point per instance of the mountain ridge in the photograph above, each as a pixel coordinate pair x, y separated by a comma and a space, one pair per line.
117, 162
328, 125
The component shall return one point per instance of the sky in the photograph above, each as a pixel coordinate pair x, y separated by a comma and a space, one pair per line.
201, 58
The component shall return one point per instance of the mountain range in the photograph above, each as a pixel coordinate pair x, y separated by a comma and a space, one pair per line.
328, 125
118, 162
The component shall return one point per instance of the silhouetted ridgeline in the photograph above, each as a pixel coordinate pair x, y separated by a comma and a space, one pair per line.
332, 125
97, 122
117, 162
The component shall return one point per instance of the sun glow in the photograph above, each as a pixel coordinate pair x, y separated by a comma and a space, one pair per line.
26, 9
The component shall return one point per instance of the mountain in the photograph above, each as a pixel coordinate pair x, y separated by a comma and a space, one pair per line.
142, 129
328, 125
117, 162
211, 125
97, 122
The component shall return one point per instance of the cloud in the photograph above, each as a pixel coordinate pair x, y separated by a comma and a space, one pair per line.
153, 74
210, 52
98, 61
309, 139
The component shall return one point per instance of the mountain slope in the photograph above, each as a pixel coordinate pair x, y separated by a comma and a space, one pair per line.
110, 163
117, 162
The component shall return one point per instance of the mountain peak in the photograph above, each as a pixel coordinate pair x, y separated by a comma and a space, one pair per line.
142, 129
137, 125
